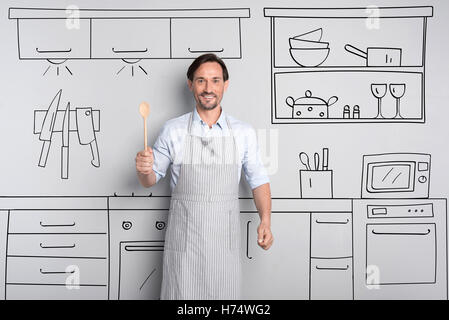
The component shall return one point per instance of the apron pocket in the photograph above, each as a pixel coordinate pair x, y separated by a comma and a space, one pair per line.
234, 230
176, 235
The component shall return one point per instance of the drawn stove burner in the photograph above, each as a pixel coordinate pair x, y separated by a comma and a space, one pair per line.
58, 63
47, 122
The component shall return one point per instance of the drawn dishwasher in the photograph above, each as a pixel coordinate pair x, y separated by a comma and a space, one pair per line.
333, 65
58, 35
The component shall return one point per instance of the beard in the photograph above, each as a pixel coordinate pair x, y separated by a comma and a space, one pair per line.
205, 106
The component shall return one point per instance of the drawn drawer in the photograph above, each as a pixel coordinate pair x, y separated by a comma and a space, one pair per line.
331, 235
53, 39
26, 270
331, 279
61, 292
130, 38
193, 37
58, 245
58, 221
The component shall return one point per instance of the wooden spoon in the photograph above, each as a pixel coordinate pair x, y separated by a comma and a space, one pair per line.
144, 109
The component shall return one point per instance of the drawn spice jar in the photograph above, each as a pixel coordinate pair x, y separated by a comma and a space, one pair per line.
310, 107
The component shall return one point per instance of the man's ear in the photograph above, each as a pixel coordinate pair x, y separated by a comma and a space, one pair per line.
189, 83
226, 84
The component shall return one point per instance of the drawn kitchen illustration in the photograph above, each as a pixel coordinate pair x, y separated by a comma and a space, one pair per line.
359, 194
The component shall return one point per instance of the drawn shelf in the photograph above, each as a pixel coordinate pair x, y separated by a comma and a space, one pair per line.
348, 65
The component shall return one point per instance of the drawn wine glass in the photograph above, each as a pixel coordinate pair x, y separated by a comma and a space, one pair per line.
397, 90
379, 90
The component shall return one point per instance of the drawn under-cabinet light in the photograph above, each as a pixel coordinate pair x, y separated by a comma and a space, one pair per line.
86, 123
310, 107
58, 64
308, 50
132, 63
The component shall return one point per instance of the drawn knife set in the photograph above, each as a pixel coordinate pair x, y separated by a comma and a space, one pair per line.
83, 120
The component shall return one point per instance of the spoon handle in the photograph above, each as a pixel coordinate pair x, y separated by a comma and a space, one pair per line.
145, 130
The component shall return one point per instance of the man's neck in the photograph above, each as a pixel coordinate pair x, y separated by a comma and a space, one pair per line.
209, 116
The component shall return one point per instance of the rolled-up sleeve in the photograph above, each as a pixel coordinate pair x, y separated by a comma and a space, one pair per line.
161, 153
253, 168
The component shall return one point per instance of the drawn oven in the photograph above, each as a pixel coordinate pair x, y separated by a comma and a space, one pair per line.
401, 253
396, 175
140, 270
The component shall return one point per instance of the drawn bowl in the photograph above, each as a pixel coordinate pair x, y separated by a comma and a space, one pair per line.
307, 44
311, 57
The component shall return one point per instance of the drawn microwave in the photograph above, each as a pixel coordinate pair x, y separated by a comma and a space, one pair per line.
396, 175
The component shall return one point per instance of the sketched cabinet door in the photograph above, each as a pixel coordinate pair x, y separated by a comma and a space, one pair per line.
130, 38
282, 272
193, 37
53, 39
141, 270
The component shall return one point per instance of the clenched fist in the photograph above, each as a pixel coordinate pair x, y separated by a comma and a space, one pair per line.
144, 161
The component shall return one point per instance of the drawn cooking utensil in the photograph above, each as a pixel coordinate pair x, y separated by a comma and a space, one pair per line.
86, 133
310, 107
305, 160
144, 109
325, 159
47, 128
316, 160
377, 56
65, 144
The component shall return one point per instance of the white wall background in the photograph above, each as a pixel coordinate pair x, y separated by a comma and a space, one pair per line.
94, 83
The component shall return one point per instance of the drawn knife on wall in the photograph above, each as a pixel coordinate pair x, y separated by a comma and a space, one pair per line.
65, 144
86, 133
47, 128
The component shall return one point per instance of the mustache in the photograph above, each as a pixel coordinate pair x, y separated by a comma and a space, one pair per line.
208, 94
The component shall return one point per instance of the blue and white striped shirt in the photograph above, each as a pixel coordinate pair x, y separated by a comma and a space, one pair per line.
168, 148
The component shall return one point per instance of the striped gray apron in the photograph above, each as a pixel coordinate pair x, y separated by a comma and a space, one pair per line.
202, 240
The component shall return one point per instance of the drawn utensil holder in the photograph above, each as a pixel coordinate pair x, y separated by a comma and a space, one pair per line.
316, 183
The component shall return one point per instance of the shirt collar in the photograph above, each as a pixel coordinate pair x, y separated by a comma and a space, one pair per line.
221, 120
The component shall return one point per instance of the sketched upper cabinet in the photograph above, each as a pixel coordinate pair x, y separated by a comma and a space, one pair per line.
282, 272
130, 38
193, 37
53, 39
348, 65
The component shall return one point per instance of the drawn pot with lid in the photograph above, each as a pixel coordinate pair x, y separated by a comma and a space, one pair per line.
310, 107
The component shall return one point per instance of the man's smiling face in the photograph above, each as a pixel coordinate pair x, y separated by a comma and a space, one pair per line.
208, 85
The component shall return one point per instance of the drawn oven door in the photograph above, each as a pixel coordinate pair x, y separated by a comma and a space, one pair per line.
401, 253
140, 270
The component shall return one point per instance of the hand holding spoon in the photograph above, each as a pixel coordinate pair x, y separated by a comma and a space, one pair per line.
144, 109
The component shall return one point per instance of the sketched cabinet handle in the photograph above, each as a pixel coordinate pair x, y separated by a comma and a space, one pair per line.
247, 240
332, 268
45, 225
124, 38
53, 51
52, 39
191, 37
57, 247
332, 222
56, 272
425, 233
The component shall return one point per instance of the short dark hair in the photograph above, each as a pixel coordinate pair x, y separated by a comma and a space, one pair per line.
208, 57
